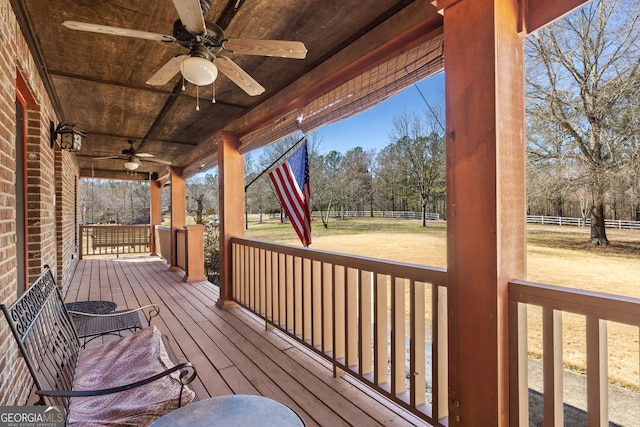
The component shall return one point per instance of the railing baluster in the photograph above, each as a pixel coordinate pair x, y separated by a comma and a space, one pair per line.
316, 304
417, 343
440, 356
338, 273
254, 283
297, 296
398, 345
307, 297
261, 278
268, 261
597, 372
282, 290
552, 366
290, 294
381, 355
351, 309
234, 268
365, 338
249, 282
327, 308
519, 366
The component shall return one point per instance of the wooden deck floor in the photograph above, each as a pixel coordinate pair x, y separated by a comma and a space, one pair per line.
230, 348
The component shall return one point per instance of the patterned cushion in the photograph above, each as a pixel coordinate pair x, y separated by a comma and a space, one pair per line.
121, 362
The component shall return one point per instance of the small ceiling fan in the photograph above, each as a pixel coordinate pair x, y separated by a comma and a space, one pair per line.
132, 157
204, 41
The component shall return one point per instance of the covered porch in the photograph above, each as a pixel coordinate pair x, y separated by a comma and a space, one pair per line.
230, 348
484, 308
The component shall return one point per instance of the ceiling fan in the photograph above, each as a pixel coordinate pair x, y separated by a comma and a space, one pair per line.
132, 157
204, 41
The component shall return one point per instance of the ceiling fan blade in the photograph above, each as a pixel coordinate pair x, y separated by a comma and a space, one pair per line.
167, 71
154, 160
238, 76
144, 155
281, 48
105, 29
191, 16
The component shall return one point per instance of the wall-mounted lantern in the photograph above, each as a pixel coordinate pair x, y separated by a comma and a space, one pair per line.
70, 137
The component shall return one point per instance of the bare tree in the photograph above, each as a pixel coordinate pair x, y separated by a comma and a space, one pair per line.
388, 177
551, 179
579, 71
329, 188
420, 149
356, 168
202, 196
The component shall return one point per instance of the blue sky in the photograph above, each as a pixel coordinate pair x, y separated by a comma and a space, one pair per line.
370, 129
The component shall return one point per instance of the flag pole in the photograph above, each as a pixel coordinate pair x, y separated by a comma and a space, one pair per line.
246, 207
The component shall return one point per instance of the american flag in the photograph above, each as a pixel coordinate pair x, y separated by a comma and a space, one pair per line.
291, 180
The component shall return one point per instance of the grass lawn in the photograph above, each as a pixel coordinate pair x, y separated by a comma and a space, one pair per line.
555, 255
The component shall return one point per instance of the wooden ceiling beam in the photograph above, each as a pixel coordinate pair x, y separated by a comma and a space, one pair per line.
536, 14
148, 88
110, 174
128, 137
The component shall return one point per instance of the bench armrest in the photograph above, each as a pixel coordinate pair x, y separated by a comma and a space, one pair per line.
150, 311
187, 375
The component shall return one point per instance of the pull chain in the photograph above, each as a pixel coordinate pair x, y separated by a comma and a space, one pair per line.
182, 72
213, 95
197, 98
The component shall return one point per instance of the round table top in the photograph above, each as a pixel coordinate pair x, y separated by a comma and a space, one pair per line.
232, 410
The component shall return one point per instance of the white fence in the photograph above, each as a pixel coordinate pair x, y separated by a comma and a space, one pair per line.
531, 219
378, 214
581, 222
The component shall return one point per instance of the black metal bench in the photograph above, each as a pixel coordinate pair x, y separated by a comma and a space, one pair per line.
135, 368
94, 319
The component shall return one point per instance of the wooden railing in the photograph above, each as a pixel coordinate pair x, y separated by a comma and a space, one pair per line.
188, 246
114, 239
163, 241
181, 248
382, 322
545, 307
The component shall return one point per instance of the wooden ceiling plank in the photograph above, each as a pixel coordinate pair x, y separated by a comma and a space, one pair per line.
106, 74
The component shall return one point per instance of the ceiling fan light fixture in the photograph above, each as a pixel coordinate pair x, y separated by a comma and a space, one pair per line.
131, 165
199, 71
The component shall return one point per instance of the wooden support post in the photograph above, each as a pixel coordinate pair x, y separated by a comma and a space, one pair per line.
486, 244
155, 213
178, 211
194, 246
231, 201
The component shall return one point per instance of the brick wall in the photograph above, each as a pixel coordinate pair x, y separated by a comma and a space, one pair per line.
66, 217
51, 193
